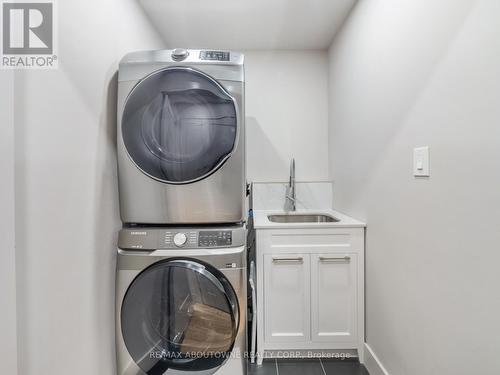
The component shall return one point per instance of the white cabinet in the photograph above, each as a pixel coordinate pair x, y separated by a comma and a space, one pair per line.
310, 290
333, 297
287, 313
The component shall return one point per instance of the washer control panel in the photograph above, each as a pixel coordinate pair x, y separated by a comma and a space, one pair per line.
212, 238
154, 238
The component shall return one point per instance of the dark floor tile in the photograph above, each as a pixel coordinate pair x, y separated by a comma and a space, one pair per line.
300, 367
343, 367
268, 367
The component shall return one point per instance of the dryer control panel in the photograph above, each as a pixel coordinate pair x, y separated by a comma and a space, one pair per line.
141, 238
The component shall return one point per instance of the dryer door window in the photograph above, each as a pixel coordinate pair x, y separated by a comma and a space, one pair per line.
180, 315
179, 125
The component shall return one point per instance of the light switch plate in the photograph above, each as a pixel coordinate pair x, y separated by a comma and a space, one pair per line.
421, 162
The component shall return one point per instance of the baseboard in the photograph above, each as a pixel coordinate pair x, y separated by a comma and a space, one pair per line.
372, 363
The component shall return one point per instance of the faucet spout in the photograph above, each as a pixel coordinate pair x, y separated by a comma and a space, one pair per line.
291, 198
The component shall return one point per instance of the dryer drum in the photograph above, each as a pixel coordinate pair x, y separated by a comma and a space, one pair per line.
179, 125
180, 314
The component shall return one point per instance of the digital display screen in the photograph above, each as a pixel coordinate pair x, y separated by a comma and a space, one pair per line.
214, 55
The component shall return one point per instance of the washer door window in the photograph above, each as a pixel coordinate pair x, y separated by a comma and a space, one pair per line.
179, 315
179, 125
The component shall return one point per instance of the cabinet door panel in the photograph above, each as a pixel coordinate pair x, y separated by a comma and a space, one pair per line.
333, 297
286, 301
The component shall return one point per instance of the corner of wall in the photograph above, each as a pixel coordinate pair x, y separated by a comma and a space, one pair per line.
8, 325
372, 362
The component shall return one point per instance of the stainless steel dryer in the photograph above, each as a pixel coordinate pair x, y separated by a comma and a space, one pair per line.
181, 301
181, 137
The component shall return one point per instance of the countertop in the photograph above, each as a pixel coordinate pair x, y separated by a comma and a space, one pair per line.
262, 222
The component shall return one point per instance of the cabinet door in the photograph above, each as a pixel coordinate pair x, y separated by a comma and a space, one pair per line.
286, 297
333, 297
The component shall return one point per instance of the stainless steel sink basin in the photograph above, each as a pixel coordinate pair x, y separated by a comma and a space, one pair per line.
302, 218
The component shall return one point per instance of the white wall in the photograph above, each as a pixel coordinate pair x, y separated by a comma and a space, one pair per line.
8, 341
407, 73
249, 25
286, 114
66, 191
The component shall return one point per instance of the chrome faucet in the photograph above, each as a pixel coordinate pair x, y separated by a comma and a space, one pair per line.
290, 196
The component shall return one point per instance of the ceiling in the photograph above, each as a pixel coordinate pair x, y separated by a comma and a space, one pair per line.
247, 24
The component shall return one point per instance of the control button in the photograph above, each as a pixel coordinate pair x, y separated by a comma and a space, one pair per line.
180, 54
180, 239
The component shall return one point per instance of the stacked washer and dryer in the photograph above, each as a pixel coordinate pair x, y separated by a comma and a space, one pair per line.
181, 272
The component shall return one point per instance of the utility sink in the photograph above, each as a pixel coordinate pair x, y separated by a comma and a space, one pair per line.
302, 218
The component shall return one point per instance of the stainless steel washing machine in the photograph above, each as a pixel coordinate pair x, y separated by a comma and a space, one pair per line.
181, 301
181, 137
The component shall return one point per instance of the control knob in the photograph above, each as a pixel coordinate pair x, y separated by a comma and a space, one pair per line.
180, 239
179, 54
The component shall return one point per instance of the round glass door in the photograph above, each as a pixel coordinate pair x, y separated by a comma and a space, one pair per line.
179, 125
180, 315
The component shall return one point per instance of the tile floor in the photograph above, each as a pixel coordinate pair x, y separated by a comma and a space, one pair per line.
308, 367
